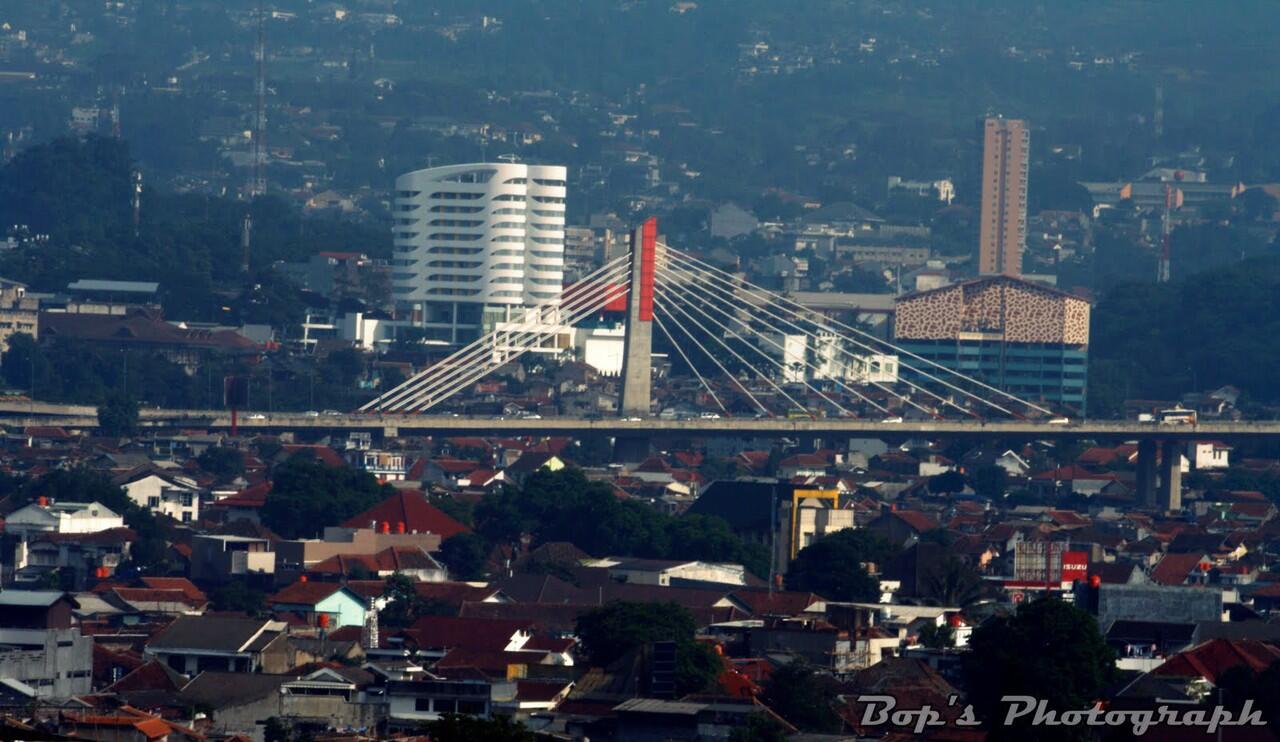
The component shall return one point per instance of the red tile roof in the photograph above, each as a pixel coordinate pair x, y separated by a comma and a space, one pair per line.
1071, 474
1173, 569
411, 508
393, 559
916, 519
176, 583
305, 593
1214, 657
323, 454
451, 632
253, 497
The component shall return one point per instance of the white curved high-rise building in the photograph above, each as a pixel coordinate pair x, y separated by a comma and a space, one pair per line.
474, 244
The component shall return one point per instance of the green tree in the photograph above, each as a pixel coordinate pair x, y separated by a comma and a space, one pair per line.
951, 582
464, 554
306, 496
611, 631
806, 699
937, 637
833, 566
759, 728
946, 482
222, 462
238, 597
1049, 650
118, 416
989, 481
458, 728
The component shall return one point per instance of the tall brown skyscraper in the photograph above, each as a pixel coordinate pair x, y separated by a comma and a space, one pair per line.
1003, 234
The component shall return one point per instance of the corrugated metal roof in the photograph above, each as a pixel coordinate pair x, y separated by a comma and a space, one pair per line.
131, 287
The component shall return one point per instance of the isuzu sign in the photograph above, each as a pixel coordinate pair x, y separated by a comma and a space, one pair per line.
1075, 565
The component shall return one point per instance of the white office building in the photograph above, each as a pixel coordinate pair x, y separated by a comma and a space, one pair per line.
476, 244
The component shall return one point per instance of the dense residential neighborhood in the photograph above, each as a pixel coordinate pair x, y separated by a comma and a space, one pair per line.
181, 590
638, 370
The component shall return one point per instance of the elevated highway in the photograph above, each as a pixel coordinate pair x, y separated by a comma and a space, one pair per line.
74, 416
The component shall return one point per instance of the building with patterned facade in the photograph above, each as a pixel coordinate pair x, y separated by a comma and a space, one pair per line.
1026, 338
476, 244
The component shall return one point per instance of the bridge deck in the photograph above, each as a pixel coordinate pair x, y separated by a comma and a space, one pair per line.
24, 413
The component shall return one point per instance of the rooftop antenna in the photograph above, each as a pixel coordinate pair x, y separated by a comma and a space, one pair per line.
257, 181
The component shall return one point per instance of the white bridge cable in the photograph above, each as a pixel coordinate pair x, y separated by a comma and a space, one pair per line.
498, 356
730, 307
468, 354
662, 326
485, 346
811, 317
659, 304
659, 289
732, 298
729, 310
476, 353
782, 301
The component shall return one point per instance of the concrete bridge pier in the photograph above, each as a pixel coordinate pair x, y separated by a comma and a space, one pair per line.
1170, 475
1147, 472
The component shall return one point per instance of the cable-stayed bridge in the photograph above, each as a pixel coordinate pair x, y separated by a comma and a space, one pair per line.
737, 338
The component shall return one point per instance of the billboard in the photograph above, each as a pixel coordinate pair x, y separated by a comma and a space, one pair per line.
1048, 561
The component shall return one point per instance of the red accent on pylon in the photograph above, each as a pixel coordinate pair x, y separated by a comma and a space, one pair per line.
648, 255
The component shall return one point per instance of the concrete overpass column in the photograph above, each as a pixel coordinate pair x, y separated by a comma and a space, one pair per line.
1147, 472
1171, 475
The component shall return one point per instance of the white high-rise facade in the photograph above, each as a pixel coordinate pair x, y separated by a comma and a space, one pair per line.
475, 244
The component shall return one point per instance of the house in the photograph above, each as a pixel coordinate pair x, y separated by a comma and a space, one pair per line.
661, 571
218, 558
324, 604
403, 560
163, 493
902, 527
802, 465
1071, 478
125, 724
528, 463
193, 644
47, 516
77, 555
1014, 465
1206, 455
241, 703
411, 703
407, 512
1182, 569
40, 647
